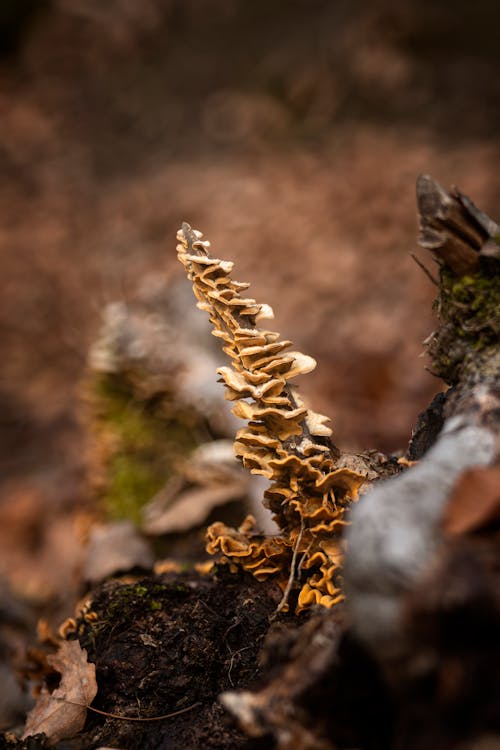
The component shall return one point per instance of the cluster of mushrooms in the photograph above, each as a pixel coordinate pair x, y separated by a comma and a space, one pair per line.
283, 441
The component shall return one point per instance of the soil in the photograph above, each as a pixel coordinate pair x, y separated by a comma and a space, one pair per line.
167, 643
170, 644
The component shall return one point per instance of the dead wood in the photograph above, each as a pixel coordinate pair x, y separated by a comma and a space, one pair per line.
421, 576
397, 540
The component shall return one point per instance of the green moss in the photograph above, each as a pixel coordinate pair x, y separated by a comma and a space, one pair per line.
139, 590
469, 308
126, 596
472, 304
140, 438
132, 482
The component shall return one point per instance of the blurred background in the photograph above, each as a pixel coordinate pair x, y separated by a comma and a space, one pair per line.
291, 134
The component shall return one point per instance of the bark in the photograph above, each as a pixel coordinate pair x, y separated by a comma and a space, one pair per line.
397, 536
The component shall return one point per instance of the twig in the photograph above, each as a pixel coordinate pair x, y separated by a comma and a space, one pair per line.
291, 577
304, 556
231, 663
424, 269
130, 718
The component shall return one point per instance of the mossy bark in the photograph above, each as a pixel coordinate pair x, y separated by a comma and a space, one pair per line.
397, 532
469, 311
464, 351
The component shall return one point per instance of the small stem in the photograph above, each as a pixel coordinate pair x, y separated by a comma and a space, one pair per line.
129, 718
291, 577
424, 269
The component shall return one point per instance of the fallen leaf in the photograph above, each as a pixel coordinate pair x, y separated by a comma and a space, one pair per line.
115, 547
190, 508
211, 477
474, 503
55, 714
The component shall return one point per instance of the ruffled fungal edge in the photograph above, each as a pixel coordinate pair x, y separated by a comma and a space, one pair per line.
283, 440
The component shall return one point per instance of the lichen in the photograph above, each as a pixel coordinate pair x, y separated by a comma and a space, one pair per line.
284, 441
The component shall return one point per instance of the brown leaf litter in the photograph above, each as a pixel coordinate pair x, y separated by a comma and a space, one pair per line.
62, 713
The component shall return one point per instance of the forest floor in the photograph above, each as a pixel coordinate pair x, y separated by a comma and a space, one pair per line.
294, 145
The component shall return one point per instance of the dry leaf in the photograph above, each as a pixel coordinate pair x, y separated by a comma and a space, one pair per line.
475, 502
54, 714
217, 478
190, 508
115, 547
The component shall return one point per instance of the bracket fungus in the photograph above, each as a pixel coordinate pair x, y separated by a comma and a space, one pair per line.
283, 441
